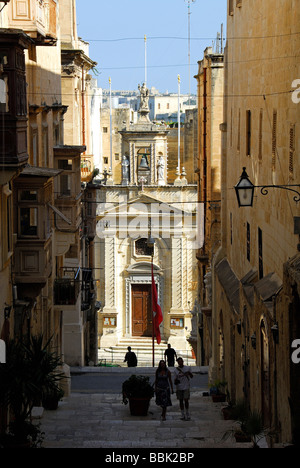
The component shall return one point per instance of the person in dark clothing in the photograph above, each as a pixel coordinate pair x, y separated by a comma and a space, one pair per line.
163, 388
170, 354
130, 358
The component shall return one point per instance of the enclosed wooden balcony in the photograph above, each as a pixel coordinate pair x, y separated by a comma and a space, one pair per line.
33, 261
32, 223
13, 100
37, 18
68, 191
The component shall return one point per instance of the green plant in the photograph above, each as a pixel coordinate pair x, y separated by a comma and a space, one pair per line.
44, 365
218, 387
250, 424
25, 435
137, 387
254, 427
51, 397
229, 408
30, 371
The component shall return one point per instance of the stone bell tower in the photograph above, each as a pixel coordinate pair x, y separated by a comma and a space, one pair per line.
145, 148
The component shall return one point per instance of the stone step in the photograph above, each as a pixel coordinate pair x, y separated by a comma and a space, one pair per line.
143, 349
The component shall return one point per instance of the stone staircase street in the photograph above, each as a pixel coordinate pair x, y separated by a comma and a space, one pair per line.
143, 350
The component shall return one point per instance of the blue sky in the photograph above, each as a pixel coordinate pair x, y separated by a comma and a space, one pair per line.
115, 30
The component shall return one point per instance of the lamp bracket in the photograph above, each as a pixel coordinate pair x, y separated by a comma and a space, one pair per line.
264, 190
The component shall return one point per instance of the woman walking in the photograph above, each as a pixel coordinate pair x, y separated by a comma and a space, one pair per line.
163, 388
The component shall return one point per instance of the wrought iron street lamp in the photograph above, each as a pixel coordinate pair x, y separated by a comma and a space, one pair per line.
245, 190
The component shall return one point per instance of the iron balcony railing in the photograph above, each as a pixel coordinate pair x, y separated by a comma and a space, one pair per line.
67, 288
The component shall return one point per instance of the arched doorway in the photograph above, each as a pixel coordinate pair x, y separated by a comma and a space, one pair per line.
141, 310
221, 348
265, 374
138, 298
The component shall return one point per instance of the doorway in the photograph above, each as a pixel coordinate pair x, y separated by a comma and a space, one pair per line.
141, 310
265, 375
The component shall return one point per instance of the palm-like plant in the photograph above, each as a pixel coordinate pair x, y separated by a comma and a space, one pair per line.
254, 427
250, 422
31, 370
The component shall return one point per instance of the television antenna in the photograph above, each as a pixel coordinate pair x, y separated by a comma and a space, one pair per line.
189, 41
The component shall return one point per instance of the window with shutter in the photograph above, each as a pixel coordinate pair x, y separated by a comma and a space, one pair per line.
274, 140
248, 133
260, 255
248, 241
239, 132
260, 135
292, 150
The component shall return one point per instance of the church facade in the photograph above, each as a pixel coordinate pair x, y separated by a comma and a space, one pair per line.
145, 206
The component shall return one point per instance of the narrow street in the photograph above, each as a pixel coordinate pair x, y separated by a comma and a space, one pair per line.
93, 416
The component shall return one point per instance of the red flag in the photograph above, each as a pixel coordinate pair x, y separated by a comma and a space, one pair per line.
156, 309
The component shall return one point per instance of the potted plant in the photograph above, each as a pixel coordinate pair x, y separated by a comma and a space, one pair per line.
239, 414
138, 391
18, 392
251, 426
30, 370
227, 410
51, 397
255, 428
217, 391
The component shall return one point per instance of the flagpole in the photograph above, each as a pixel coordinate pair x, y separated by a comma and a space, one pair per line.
179, 122
151, 243
152, 309
145, 39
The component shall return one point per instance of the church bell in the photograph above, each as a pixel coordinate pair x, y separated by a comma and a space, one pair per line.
143, 163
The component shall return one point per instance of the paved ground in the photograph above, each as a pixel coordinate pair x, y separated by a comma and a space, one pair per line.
88, 420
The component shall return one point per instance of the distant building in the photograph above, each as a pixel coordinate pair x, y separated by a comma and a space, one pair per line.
136, 203
162, 107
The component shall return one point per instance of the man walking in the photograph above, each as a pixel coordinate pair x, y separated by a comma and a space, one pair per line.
170, 354
130, 358
182, 376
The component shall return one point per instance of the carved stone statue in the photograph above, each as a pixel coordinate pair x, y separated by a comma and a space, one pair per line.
144, 106
161, 171
125, 171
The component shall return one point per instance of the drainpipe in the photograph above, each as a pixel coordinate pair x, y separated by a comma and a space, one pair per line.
83, 107
204, 178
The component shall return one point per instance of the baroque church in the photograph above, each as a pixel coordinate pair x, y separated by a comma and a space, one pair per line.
146, 207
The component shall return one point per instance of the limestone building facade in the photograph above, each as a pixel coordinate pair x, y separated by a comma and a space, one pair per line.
46, 236
210, 86
255, 303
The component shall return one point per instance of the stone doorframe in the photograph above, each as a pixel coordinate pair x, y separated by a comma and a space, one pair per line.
140, 276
